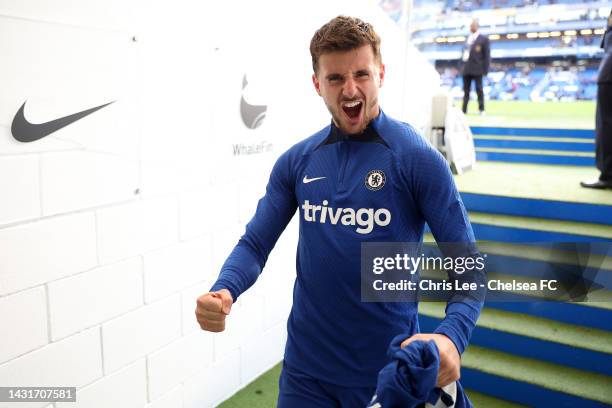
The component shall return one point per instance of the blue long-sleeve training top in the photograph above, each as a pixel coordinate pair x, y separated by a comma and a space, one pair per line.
380, 186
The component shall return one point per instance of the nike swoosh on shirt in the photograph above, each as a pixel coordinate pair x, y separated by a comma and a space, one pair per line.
25, 131
307, 180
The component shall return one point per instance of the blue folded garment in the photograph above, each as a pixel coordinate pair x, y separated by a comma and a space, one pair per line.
409, 380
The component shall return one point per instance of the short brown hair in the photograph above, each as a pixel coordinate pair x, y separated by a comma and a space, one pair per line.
343, 34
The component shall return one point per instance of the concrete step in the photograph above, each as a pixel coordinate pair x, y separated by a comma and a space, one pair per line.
558, 157
535, 143
531, 190
508, 228
538, 208
585, 134
532, 337
532, 382
485, 401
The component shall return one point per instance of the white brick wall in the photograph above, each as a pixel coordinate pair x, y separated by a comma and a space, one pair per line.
41, 251
126, 388
243, 323
20, 188
172, 399
196, 213
172, 269
138, 333
93, 297
28, 329
178, 361
75, 180
130, 229
74, 361
214, 384
262, 352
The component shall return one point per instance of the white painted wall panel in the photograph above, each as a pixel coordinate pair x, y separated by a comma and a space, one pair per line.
59, 70
138, 333
75, 180
178, 361
19, 183
74, 361
42, 251
172, 269
126, 388
214, 385
28, 328
130, 229
172, 399
109, 15
92, 297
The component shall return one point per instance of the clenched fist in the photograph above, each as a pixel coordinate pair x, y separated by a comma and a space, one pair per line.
450, 361
211, 309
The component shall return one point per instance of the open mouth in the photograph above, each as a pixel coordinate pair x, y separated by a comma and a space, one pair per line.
352, 109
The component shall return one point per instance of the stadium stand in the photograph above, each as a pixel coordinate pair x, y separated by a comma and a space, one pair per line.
526, 82
557, 39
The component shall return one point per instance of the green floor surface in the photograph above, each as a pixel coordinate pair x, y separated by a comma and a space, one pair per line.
263, 392
537, 181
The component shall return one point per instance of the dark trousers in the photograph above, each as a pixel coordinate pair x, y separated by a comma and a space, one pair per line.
299, 390
467, 85
603, 130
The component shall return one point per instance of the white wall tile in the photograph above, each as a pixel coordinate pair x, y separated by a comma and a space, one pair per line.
224, 207
126, 388
74, 361
244, 322
92, 297
178, 361
196, 213
127, 230
174, 268
83, 179
24, 316
19, 184
262, 352
138, 333
111, 15
172, 399
42, 251
214, 385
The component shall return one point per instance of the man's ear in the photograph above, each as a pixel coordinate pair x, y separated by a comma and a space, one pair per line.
317, 85
381, 75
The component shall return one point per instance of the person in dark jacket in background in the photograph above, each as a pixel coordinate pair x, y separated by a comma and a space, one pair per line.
476, 58
603, 118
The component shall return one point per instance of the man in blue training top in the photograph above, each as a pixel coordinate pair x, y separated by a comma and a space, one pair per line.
364, 178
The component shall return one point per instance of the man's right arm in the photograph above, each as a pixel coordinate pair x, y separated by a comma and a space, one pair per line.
246, 261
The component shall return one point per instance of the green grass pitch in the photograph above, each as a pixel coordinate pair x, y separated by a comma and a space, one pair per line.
563, 115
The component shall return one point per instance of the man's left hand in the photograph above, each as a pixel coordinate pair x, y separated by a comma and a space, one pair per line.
450, 361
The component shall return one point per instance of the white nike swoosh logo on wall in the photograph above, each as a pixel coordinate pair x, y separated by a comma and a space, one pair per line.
307, 180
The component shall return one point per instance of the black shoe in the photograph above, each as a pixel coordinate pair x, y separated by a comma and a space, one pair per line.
597, 183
